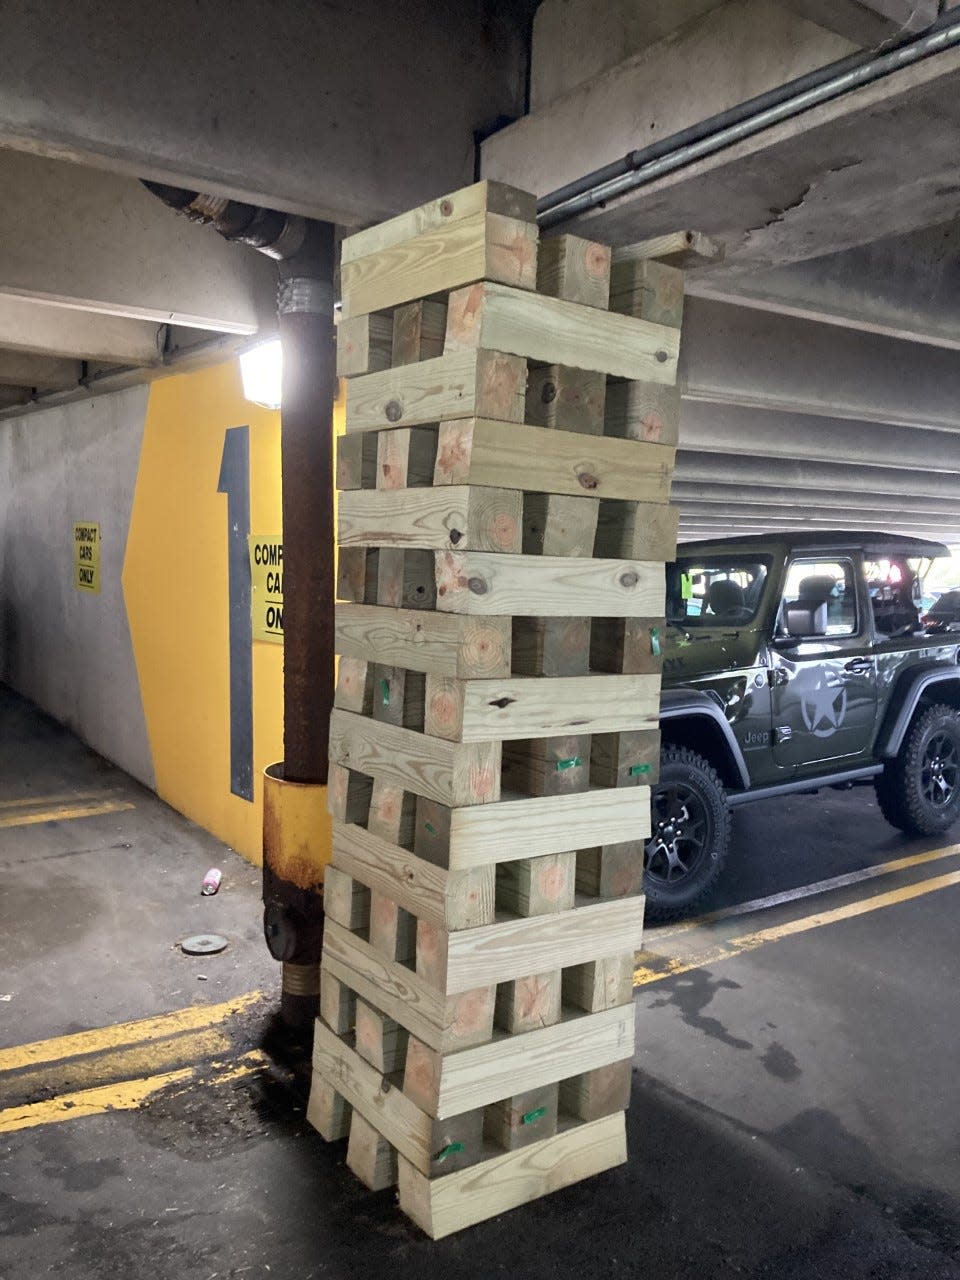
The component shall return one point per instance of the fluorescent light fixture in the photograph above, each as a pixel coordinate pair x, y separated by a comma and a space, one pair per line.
261, 369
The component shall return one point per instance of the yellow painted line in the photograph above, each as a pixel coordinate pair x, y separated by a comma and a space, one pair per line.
70, 797
803, 891
126, 1095
776, 933
125, 1033
64, 814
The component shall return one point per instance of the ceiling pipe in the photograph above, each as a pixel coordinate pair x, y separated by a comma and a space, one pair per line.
304, 251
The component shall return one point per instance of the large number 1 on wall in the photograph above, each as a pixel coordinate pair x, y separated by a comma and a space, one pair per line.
235, 483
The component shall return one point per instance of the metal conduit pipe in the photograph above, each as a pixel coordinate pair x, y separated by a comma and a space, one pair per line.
305, 254
638, 168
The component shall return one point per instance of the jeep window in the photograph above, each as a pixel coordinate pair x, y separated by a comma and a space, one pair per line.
715, 591
896, 593
819, 599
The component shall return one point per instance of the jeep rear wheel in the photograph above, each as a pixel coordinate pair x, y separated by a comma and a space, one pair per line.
919, 791
691, 834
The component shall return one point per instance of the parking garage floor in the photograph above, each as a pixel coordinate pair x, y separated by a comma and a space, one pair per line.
796, 1104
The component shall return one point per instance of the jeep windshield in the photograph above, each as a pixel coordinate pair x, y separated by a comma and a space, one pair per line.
715, 590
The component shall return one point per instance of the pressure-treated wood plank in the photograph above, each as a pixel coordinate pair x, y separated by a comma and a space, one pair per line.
418, 331
397, 695
510, 948
464, 384
444, 1023
453, 899
348, 794
636, 531
538, 460
391, 812
445, 1205
601, 1092
478, 835
531, 707
485, 246
370, 1157
508, 1065
379, 1040
611, 870
556, 524
338, 1004
357, 570
357, 461
452, 773
648, 412
606, 983
405, 458
537, 886
464, 516
444, 644
554, 766
648, 290
354, 691
575, 269
528, 1003
345, 900
475, 582
677, 249
495, 317
627, 645
479, 197
327, 1111
393, 931
363, 344
524, 1118
627, 759
549, 647
405, 579
566, 399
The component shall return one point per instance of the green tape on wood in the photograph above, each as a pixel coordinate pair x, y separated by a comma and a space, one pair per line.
637, 769
568, 764
451, 1149
531, 1116
428, 826
655, 641
385, 692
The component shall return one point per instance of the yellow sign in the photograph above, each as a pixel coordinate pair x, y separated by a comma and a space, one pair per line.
86, 557
266, 583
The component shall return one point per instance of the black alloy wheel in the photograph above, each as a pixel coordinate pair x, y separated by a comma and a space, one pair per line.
919, 790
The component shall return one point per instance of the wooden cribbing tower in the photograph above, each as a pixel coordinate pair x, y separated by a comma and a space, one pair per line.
511, 423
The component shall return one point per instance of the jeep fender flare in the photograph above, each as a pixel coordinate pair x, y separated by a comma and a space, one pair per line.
693, 704
907, 694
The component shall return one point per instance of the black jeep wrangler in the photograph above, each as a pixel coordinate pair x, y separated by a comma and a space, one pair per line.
794, 662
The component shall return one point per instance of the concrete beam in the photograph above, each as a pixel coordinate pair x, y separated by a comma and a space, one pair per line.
721, 428
869, 22
902, 287
818, 183
912, 496
350, 110
46, 329
98, 242
835, 477
12, 397
695, 530
867, 517
20, 369
737, 355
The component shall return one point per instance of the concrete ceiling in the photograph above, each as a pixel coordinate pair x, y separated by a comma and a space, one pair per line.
820, 365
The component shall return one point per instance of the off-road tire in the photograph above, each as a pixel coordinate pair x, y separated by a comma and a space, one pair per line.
901, 787
684, 773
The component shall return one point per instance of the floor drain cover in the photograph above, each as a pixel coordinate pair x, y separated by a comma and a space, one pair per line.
203, 944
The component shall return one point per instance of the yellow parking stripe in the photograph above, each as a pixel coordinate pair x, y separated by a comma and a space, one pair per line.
64, 814
40, 802
125, 1033
127, 1095
728, 950
803, 891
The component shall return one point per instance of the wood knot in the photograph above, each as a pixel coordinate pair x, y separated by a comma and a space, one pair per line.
446, 207
629, 579
478, 586
587, 480
393, 410
502, 702
455, 536
548, 392
662, 356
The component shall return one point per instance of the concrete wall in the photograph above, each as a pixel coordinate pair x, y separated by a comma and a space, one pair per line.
67, 650
141, 671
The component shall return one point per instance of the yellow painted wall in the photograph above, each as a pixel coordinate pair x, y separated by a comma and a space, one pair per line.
176, 591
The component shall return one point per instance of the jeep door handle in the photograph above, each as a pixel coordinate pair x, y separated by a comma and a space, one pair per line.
859, 666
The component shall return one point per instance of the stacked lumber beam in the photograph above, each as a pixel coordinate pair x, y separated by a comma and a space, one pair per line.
503, 523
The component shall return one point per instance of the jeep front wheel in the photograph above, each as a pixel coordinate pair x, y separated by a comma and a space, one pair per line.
690, 834
919, 790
